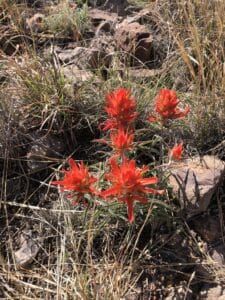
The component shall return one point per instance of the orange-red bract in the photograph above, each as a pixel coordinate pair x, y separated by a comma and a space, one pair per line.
77, 179
121, 141
166, 106
120, 109
177, 151
128, 184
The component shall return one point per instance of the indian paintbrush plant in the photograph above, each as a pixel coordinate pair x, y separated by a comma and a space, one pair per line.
126, 181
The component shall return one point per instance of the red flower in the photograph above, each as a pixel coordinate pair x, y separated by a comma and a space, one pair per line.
177, 151
129, 185
121, 141
121, 110
78, 179
166, 106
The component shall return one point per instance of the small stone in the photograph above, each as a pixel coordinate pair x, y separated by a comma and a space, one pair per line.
28, 250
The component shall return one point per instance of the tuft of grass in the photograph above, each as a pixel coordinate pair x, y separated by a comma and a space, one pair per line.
197, 28
68, 20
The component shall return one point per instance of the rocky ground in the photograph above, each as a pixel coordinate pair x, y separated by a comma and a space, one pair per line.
57, 60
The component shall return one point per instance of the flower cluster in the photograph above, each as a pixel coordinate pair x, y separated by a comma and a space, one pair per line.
120, 141
176, 152
126, 179
78, 180
166, 106
120, 109
128, 184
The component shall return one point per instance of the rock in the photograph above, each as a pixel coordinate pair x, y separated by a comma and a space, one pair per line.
194, 181
217, 253
208, 227
98, 16
103, 20
84, 57
106, 26
42, 149
76, 77
28, 249
135, 40
118, 6
142, 15
210, 292
107, 46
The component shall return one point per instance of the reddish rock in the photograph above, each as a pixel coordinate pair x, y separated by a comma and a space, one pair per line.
98, 16
136, 40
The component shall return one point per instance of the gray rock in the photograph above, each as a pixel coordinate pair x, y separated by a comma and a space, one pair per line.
75, 77
83, 57
218, 254
28, 249
194, 181
43, 148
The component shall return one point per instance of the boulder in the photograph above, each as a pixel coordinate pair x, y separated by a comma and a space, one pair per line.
194, 181
135, 40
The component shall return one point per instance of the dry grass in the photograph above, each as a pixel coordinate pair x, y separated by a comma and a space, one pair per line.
67, 20
198, 29
95, 254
